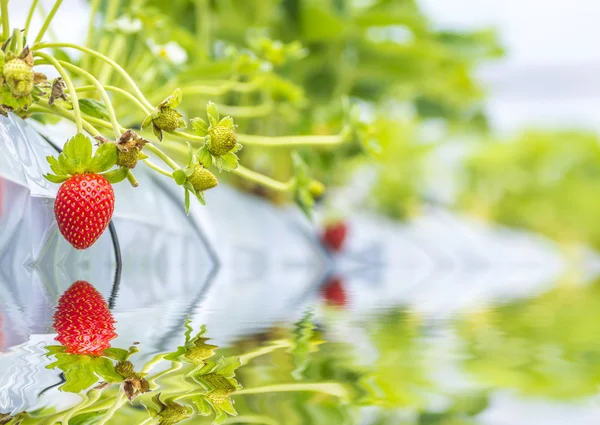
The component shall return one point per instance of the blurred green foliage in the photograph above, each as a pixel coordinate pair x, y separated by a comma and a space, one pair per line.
544, 347
542, 181
301, 62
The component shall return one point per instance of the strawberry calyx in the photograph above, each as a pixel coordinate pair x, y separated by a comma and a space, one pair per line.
129, 148
76, 158
165, 117
195, 179
221, 143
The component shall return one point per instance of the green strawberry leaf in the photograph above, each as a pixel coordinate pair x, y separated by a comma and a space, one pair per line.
227, 406
213, 113
94, 108
146, 122
56, 179
157, 132
238, 147
79, 150
204, 157
220, 417
55, 166
200, 197
189, 171
181, 123
117, 176
226, 122
305, 201
226, 366
78, 370
104, 158
179, 176
230, 161
119, 354
90, 418
187, 202
104, 368
188, 329
199, 126
202, 406
66, 164
172, 101
189, 187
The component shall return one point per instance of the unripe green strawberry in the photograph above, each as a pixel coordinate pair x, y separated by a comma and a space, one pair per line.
167, 119
221, 388
170, 412
18, 75
200, 351
128, 158
202, 179
222, 140
125, 369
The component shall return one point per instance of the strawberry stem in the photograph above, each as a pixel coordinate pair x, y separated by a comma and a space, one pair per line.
70, 86
131, 179
294, 141
163, 156
157, 168
29, 17
5, 21
119, 91
263, 180
109, 107
47, 21
42, 107
112, 63
94, 6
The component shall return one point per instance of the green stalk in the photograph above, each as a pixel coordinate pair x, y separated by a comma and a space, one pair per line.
112, 63
109, 107
94, 6
163, 156
157, 168
119, 91
331, 388
131, 179
261, 351
263, 180
203, 27
29, 17
90, 398
70, 86
111, 14
5, 21
251, 419
41, 108
116, 49
47, 21
119, 401
294, 141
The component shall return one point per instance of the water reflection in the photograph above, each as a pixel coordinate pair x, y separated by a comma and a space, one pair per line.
398, 366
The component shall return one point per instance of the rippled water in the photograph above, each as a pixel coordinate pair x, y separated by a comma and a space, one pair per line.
319, 360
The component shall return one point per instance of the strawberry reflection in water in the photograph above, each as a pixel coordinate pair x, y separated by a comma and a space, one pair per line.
85, 328
83, 321
334, 292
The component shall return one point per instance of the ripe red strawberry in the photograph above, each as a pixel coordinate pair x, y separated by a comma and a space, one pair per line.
334, 236
85, 201
83, 321
83, 208
334, 293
